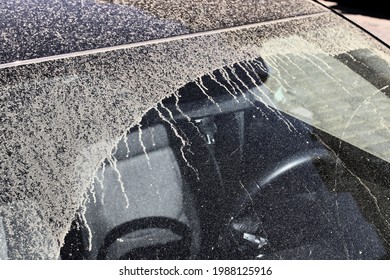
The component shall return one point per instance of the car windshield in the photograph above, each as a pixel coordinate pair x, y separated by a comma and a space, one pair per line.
257, 160
275, 147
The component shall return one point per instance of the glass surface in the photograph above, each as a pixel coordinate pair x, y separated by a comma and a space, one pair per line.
264, 141
241, 158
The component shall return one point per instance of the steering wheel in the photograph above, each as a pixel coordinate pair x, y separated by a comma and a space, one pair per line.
178, 249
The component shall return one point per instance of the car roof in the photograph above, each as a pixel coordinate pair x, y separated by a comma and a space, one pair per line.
34, 29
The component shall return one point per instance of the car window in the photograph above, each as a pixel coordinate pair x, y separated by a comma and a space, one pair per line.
255, 166
268, 142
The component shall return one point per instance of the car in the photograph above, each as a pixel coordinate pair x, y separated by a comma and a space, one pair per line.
192, 130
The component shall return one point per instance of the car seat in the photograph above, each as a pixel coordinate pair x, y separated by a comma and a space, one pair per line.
142, 184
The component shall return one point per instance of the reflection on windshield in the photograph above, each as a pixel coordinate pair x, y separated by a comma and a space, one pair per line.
247, 162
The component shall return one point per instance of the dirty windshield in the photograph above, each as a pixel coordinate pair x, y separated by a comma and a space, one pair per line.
253, 161
274, 145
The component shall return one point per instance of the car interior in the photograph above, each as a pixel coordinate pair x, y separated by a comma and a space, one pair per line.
214, 173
